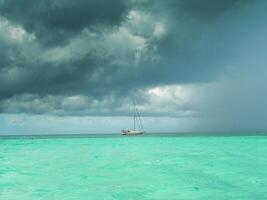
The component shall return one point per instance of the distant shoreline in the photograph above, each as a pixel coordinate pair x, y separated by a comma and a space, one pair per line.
103, 135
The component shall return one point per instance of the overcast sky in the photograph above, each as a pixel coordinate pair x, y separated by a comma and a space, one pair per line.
78, 66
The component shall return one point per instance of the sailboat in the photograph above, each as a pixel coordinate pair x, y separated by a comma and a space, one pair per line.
138, 128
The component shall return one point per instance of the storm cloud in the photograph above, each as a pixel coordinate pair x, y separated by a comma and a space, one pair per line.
92, 57
56, 22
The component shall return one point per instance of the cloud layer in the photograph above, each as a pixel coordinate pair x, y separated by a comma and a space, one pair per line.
96, 57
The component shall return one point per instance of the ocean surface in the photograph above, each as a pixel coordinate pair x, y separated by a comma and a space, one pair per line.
133, 167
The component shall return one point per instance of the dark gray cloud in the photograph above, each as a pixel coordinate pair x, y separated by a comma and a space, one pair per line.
106, 51
55, 22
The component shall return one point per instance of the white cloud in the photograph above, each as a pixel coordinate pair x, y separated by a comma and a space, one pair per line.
13, 33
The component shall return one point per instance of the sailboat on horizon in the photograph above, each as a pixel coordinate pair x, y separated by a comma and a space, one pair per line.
138, 128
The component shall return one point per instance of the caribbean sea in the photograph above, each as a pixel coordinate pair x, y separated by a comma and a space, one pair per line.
153, 166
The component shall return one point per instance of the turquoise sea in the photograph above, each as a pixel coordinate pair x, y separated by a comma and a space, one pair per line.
125, 167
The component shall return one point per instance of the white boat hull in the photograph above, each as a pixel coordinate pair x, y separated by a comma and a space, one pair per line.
131, 132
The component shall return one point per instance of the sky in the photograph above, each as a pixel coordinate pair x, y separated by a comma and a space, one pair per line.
78, 66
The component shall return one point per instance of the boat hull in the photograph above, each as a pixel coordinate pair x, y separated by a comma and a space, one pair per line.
130, 132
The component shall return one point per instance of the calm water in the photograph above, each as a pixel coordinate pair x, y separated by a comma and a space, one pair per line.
154, 167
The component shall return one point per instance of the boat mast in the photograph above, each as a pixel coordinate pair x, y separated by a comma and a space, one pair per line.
134, 117
139, 120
